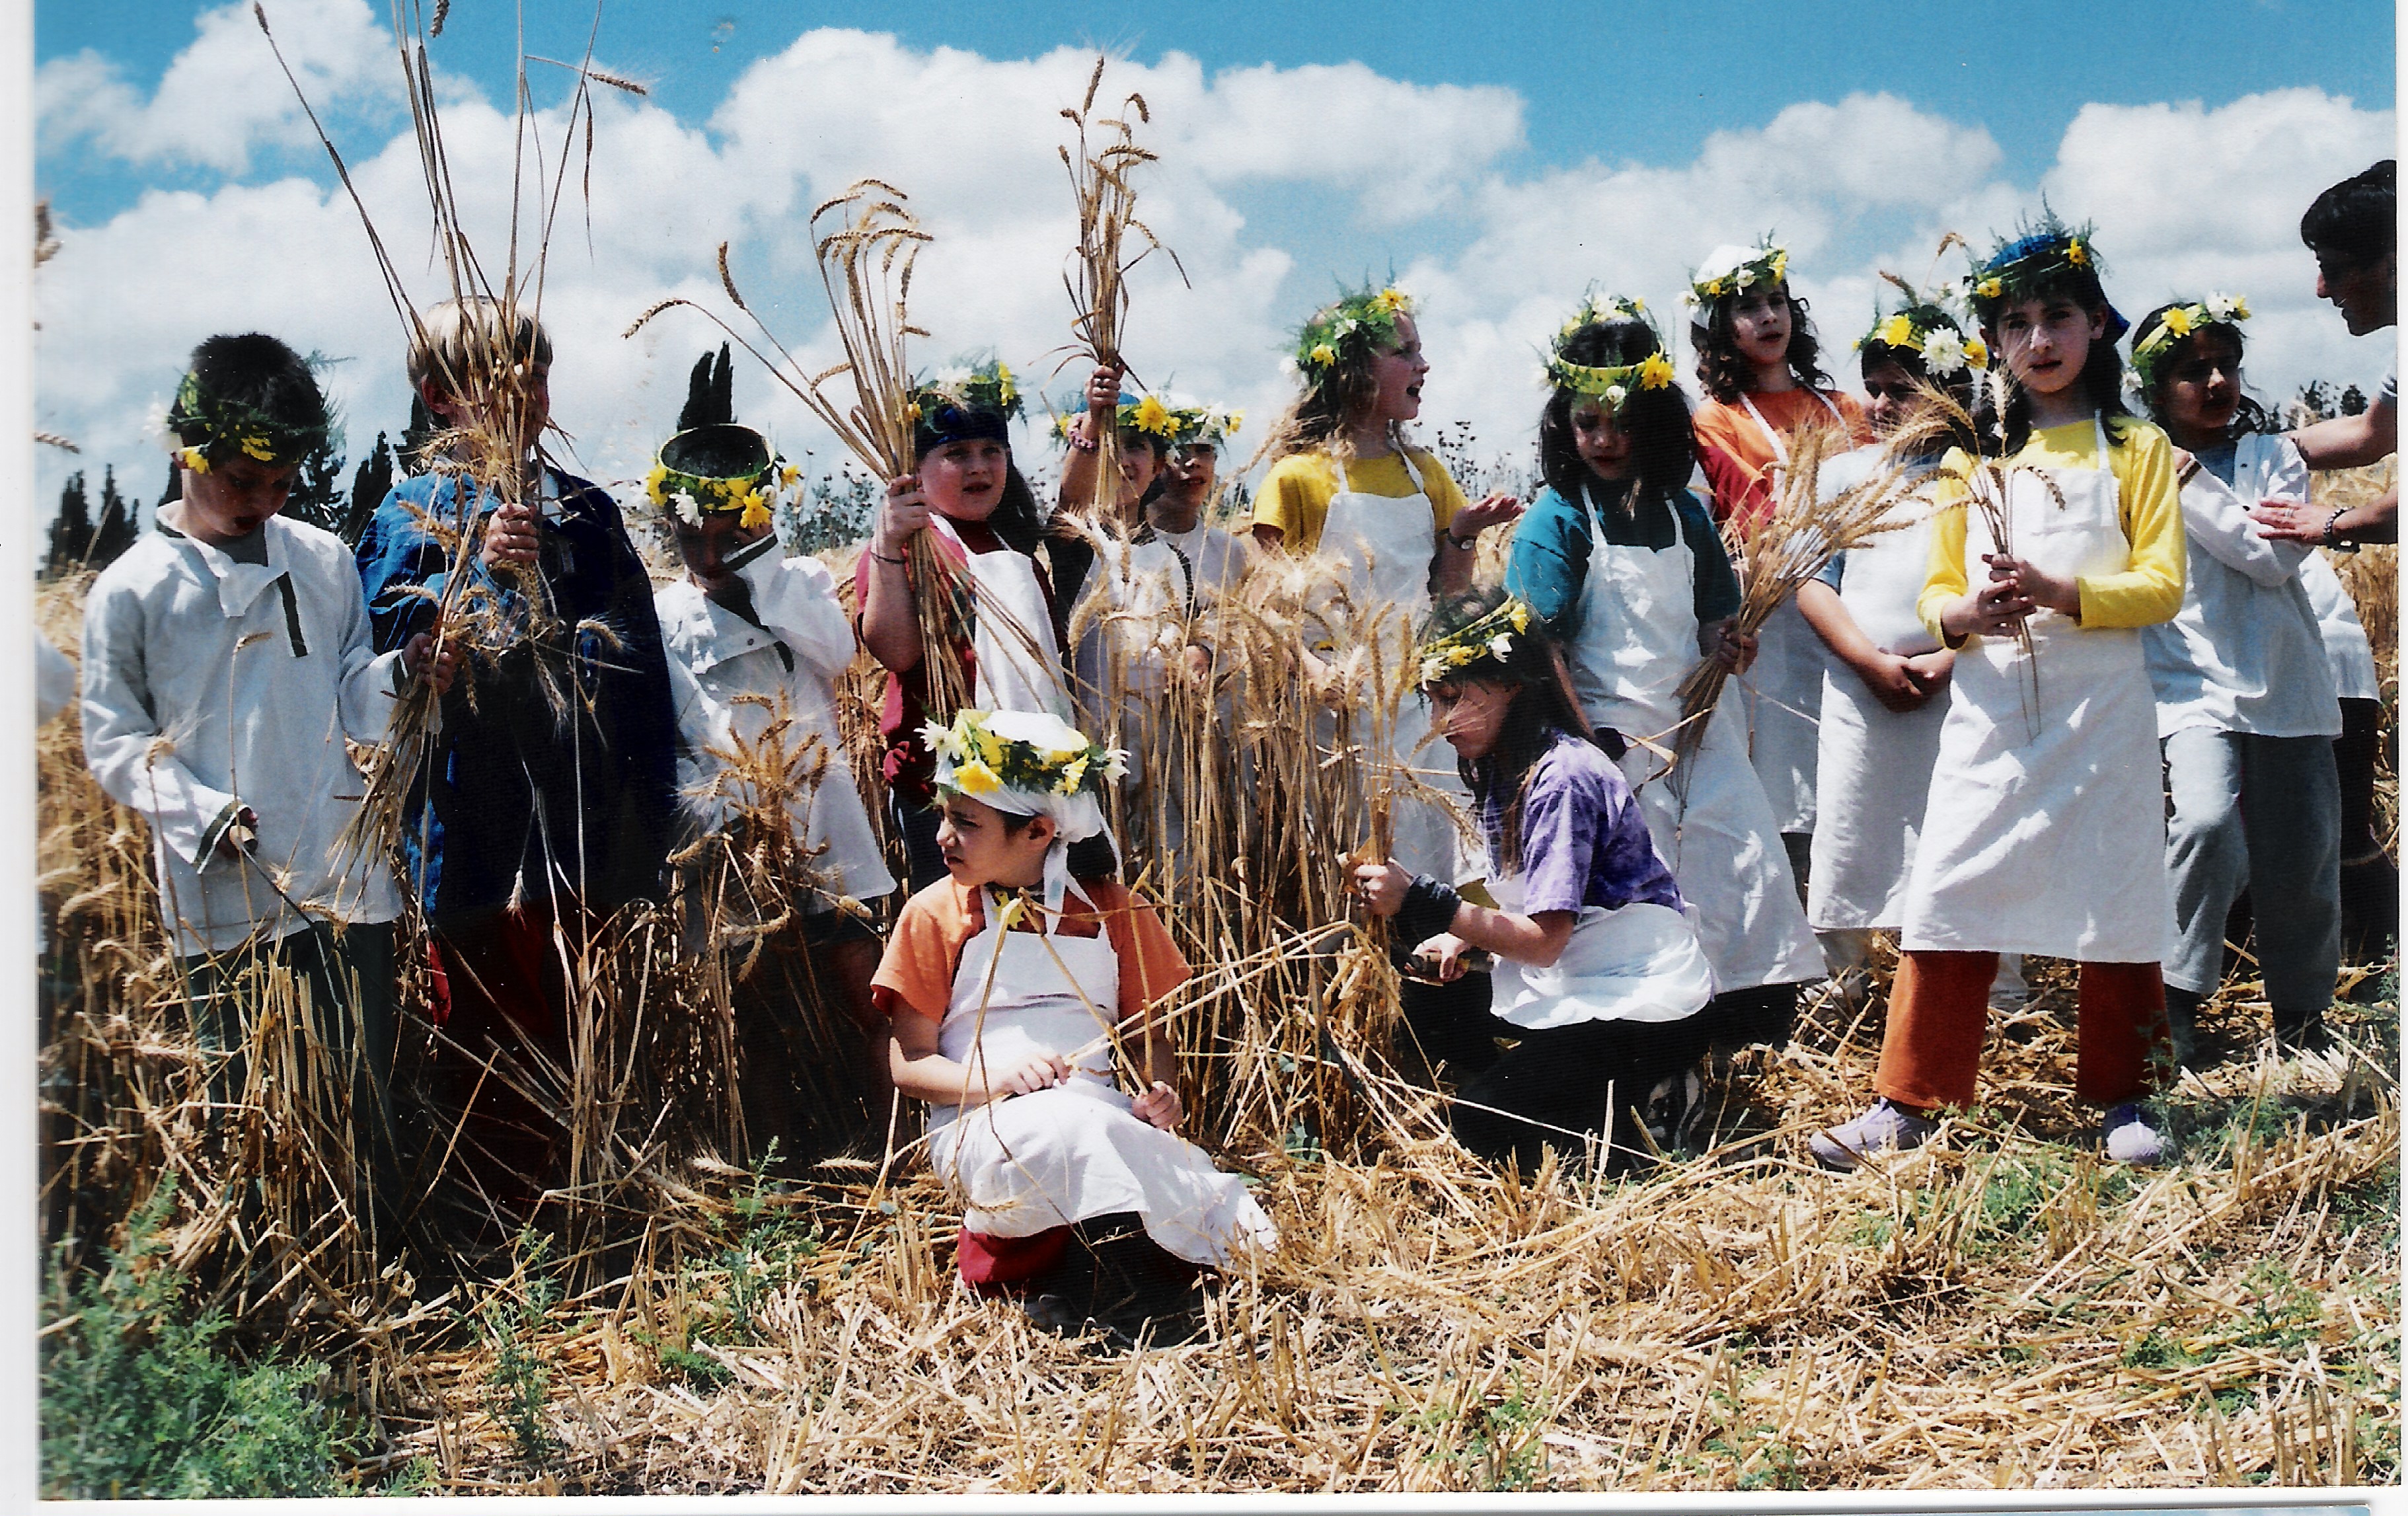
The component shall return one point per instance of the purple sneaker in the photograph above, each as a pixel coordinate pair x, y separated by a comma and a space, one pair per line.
1885, 1128
2130, 1138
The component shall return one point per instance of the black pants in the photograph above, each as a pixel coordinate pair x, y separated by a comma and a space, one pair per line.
1576, 1078
2369, 885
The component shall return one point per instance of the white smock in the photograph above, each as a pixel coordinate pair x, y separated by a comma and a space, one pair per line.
1637, 638
210, 684
1638, 961
1031, 1161
2244, 653
1018, 666
1782, 693
1216, 559
2348, 655
1133, 614
742, 686
2046, 831
1873, 764
1381, 546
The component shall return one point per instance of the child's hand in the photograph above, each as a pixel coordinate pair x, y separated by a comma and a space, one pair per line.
237, 841
1443, 954
1892, 681
904, 511
1103, 397
510, 535
424, 658
1736, 652
1491, 510
1931, 670
1381, 887
2055, 591
1042, 1072
1158, 1105
1996, 609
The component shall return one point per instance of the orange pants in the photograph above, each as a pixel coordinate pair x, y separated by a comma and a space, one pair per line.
1940, 1010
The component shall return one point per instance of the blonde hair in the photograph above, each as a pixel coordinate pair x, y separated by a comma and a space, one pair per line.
457, 338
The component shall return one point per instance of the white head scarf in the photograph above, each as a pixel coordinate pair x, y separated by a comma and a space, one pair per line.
1076, 816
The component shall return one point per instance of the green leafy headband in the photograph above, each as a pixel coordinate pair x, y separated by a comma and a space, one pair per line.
1033, 752
1611, 384
692, 497
1932, 335
210, 429
1736, 270
2150, 351
1352, 327
986, 385
1489, 639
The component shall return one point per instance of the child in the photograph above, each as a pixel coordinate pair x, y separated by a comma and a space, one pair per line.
1123, 597
1598, 974
969, 495
1010, 985
765, 639
228, 659
2043, 832
1758, 363
1626, 571
1884, 699
2246, 711
545, 799
1344, 485
1217, 560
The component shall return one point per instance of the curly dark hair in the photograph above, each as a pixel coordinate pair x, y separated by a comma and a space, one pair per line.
2250, 417
1658, 420
1725, 371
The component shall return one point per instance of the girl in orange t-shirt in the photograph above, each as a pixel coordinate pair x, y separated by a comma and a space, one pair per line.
1757, 361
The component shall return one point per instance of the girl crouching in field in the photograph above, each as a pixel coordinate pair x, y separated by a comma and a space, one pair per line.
1010, 987
1600, 975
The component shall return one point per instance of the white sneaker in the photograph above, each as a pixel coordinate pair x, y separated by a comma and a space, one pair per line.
2130, 1138
1885, 1128
2009, 993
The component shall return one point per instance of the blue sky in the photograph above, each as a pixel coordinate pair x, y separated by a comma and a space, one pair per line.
1502, 166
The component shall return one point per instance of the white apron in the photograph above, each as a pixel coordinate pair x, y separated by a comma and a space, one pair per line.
1019, 667
1638, 963
1381, 545
1781, 695
2047, 833
1873, 764
1134, 606
1637, 638
1036, 1161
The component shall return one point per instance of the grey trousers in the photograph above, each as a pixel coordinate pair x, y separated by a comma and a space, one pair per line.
2260, 812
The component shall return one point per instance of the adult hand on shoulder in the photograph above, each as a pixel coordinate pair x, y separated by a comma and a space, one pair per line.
510, 536
1158, 1105
424, 658
2290, 521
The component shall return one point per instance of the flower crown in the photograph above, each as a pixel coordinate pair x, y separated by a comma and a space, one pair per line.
1932, 335
2034, 259
690, 496
2175, 322
1203, 425
1035, 753
1611, 384
987, 385
1351, 328
1734, 270
210, 429
1488, 639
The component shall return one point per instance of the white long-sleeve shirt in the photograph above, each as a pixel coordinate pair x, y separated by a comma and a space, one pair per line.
736, 685
2244, 653
211, 684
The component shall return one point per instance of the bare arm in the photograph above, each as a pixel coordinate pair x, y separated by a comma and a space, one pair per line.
2351, 441
1536, 939
890, 627
1078, 468
1889, 677
923, 1073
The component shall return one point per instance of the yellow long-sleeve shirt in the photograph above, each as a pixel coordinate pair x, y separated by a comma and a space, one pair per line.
2147, 590
1296, 495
